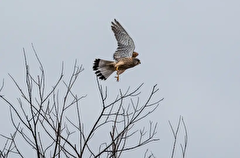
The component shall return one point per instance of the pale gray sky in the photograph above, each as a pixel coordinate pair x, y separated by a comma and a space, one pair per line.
189, 48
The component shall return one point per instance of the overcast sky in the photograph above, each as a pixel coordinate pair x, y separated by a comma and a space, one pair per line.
189, 48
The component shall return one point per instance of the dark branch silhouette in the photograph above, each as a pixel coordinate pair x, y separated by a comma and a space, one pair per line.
41, 118
175, 136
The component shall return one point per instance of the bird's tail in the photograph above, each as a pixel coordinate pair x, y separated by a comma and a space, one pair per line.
103, 68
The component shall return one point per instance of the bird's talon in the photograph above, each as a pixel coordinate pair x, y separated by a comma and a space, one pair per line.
117, 78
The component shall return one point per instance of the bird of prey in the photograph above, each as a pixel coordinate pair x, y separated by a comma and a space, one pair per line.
124, 56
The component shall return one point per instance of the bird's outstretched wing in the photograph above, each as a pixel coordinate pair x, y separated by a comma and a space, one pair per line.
125, 43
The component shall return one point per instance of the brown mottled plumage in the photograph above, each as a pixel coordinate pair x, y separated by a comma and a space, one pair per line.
124, 56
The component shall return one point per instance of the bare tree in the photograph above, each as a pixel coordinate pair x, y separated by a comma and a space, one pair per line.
175, 133
41, 119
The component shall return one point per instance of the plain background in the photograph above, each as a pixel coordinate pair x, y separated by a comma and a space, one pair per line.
189, 48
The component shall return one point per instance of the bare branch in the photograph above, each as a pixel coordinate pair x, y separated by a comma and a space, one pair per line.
2, 86
43, 115
175, 135
184, 145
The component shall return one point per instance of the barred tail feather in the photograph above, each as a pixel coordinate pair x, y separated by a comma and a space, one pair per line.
103, 68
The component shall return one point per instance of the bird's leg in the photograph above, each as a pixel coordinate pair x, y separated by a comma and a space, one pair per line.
117, 75
118, 71
117, 78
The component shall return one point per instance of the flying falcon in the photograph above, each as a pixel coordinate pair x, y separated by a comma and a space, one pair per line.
124, 56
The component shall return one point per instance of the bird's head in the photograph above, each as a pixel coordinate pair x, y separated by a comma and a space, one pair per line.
136, 61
